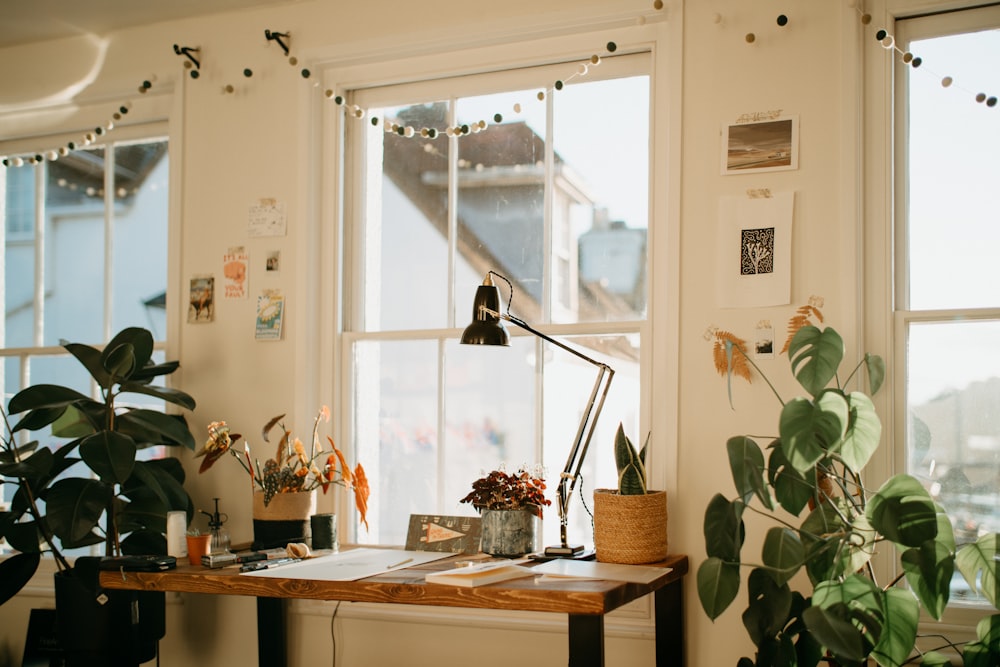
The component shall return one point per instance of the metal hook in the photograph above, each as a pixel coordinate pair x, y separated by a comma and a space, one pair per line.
186, 52
276, 37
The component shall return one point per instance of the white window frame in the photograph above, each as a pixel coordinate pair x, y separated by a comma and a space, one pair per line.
562, 38
883, 141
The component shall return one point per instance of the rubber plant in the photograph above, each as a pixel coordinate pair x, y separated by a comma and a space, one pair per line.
92, 489
814, 597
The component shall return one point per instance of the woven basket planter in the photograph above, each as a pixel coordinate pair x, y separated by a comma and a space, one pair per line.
630, 529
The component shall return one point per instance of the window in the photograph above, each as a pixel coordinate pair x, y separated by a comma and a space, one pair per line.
85, 254
947, 310
551, 193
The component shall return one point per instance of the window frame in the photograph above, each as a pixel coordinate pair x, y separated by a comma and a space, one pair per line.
886, 310
515, 47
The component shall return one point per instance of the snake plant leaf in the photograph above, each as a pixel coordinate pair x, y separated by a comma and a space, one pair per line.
809, 428
899, 628
724, 529
15, 572
815, 356
631, 472
929, 569
978, 562
718, 584
770, 606
783, 553
746, 463
150, 427
792, 489
110, 454
74, 506
863, 434
903, 511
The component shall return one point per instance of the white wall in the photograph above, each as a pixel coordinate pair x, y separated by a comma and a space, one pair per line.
254, 143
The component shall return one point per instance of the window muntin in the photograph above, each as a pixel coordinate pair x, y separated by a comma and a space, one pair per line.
431, 217
947, 314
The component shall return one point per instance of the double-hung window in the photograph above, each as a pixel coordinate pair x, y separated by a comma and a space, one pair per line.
448, 179
946, 303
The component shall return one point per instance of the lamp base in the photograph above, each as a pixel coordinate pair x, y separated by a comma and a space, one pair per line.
568, 551
580, 554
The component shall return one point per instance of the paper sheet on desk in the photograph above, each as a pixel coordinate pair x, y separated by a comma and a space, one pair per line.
567, 568
350, 565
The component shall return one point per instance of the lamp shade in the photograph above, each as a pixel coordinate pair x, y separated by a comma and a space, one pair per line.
487, 328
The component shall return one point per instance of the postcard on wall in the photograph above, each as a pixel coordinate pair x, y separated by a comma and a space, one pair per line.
201, 299
760, 142
755, 251
266, 218
273, 262
270, 313
234, 270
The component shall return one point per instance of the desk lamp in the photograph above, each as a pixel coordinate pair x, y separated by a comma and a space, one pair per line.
488, 328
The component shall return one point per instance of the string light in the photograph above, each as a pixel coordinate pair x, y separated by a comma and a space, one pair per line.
53, 154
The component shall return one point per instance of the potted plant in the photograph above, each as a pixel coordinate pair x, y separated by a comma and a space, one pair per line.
827, 526
283, 488
92, 489
630, 522
510, 505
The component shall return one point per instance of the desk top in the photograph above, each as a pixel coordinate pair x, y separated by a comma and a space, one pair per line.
407, 586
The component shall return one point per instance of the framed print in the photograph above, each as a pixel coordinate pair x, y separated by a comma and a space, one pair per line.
769, 144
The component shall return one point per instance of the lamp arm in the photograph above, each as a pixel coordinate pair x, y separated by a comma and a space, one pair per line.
585, 432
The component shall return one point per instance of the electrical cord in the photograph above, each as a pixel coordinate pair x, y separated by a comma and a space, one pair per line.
333, 632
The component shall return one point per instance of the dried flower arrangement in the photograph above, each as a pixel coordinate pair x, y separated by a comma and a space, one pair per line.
499, 490
291, 470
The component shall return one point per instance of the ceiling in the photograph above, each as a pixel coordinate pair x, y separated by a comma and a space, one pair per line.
26, 21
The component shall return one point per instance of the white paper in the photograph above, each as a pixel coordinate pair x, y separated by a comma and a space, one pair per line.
350, 565
755, 251
266, 218
568, 568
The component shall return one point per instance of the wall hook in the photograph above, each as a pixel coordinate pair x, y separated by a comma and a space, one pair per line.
276, 37
186, 52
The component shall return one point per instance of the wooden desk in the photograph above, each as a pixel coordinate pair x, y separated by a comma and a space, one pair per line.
585, 602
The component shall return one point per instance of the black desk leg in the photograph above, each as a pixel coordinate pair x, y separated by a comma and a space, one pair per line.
586, 641
669, 604
272, 637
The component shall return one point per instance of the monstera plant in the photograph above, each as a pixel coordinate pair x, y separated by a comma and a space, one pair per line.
813, 597
92, 489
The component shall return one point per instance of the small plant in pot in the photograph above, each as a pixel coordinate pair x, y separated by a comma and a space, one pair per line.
814, 597
93, 490
630, 522
510, 505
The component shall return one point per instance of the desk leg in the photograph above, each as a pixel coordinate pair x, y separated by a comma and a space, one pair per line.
272, 638
669, 612
586, 640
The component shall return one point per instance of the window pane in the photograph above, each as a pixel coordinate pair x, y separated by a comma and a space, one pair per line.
953, 408
952, 193
19, 256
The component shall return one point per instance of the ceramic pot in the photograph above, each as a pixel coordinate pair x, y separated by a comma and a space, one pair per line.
282, 520
198, 546
508, 533
630, 529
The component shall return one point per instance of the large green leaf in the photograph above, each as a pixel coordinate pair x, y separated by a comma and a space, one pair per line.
899, 629
144, 542
15, 572
903, 511
746, 463
156, 478
792, 489
863, 434
875, 366
769, 608
49, 400
90, 358
821, 533
150, 427
833, 628
724, 529
847, 616
718, 584
929, 569
168, 394
74, 506
111, 455
815, 356
988, 631
128, 351
808, 428
783, 553
145, 509
978, 563
33, 466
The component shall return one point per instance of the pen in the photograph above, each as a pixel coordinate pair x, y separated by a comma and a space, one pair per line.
402, 562
267, 564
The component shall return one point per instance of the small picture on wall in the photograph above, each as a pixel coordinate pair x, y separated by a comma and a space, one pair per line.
273, 262
760, 145
270, 314
201, 300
